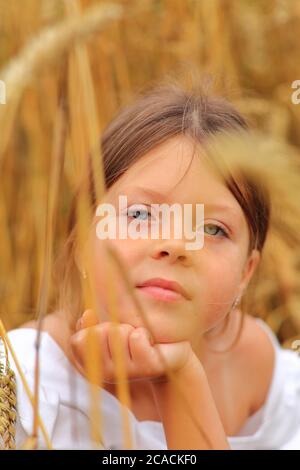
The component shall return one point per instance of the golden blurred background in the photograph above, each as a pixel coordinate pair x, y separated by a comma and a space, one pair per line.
247, 50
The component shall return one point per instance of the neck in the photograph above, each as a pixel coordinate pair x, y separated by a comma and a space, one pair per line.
218, 339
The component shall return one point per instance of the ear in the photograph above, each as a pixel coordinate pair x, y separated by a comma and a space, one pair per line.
249, 268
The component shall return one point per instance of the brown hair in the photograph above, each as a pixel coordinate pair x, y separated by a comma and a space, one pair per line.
156, 115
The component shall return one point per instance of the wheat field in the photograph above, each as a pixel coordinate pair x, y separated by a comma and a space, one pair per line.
69, 65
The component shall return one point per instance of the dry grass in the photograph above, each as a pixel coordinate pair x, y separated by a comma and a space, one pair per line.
68, 66
258, 58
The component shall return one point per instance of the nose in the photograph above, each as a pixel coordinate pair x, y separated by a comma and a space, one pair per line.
172, 250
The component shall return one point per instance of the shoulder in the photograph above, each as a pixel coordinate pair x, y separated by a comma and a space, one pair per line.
266, 356
22, 341
255, 355
257, 342
22, 354
272, 375
255, 345
22, 357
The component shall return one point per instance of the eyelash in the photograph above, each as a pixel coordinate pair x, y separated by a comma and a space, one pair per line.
137, 210
224, 232
221, 229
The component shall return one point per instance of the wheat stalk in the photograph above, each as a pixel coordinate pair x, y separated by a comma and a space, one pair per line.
8, 401
7, 344
44, 49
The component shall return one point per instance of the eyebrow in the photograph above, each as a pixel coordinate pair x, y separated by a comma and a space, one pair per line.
235, 218
159, 195
222, 207
155, 195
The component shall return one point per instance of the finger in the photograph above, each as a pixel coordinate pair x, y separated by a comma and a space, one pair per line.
89, 318
78, 325
118, 338
80, 343
143, 353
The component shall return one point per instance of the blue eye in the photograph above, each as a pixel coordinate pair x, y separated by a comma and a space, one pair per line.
215, 229
141, 214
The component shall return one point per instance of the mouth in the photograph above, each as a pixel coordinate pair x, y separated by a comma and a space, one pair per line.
164, 290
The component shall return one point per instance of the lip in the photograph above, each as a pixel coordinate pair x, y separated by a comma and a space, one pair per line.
164, 289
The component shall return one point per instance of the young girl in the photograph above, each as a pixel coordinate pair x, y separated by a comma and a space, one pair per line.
242, 387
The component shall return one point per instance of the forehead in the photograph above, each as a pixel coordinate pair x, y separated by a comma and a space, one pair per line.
177, 170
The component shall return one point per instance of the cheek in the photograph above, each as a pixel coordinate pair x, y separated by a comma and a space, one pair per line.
222, 279
130, 254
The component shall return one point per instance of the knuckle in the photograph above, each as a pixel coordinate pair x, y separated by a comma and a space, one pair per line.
139, 332
106, 325
126, 329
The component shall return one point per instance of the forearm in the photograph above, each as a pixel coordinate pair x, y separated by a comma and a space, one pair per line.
182, 430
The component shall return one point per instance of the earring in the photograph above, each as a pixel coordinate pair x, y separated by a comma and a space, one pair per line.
84, 275
236, 302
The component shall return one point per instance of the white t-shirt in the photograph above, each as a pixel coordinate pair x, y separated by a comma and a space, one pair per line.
64, 400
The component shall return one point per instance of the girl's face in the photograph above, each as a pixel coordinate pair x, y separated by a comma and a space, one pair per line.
209, 278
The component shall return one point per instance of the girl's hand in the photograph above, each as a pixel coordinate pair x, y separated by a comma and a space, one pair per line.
139, 354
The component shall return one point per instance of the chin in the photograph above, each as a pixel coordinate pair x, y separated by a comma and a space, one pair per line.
165, 331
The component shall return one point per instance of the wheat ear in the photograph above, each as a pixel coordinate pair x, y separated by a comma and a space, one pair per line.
8, 401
